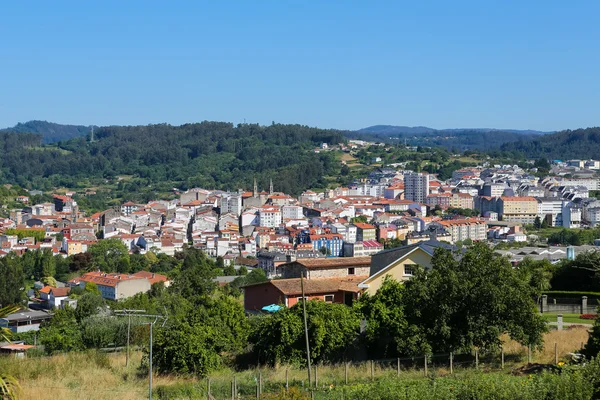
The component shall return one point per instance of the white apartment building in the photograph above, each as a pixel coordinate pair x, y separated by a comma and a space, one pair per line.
416, 186
292, 212
269, 216
593, 216
231, 203
549, 207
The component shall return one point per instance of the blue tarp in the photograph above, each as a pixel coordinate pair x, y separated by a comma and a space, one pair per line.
272, 308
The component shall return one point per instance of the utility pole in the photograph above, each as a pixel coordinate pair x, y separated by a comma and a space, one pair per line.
306, 329
127, 313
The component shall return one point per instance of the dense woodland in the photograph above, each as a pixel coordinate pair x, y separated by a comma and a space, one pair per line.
452, 139
208, 154
564, 145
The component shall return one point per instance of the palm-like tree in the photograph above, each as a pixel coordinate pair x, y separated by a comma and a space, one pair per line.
9, 387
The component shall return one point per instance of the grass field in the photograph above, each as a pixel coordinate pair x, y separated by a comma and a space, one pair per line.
568, 318
101, 376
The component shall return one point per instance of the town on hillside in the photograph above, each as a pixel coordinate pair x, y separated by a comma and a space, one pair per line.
343, 240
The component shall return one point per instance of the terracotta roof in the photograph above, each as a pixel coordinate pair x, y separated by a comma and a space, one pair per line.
291, 287
153, 278
17, 347
364, 226
333, 262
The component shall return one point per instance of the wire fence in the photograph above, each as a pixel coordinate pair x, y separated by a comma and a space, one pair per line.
324, 377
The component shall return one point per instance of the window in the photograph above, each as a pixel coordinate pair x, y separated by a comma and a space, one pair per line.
409, 269
351, 271
329, 298
300, 299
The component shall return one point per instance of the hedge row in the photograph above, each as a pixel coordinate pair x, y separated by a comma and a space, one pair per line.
566, 293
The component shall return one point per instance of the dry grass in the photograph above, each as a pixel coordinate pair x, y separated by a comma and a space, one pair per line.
81, 376
568, 341
104, 376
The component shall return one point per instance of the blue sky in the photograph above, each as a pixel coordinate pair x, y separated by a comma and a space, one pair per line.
334, 64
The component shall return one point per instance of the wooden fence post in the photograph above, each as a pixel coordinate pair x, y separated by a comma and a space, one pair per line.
555, 353
316, 377
529, 354
259, 383
502, 356
346, 372
398, 367
476, 358
451, 362
425, 363
287, 382
372, 370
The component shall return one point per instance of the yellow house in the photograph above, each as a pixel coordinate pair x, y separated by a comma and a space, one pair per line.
399, 263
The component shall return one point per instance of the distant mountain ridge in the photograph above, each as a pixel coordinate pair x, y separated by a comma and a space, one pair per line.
394, 129
569, 144
51, 132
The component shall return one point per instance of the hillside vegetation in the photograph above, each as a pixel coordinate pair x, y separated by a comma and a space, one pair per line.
579, 144
451, 139
208, 154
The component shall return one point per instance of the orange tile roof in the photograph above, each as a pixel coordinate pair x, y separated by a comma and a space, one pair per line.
364, 226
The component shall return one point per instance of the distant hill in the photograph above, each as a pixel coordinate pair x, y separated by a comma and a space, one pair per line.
49, 131
452, 139
393, 129
569, 144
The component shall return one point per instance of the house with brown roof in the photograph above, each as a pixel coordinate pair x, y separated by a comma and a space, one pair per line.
288, 292
313, 268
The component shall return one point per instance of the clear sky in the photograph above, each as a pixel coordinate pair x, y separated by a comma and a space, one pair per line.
338, 64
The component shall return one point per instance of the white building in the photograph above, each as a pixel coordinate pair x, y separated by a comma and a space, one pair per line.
231, 204
571, 216
416, 186
269, 216
292, 212
549, 208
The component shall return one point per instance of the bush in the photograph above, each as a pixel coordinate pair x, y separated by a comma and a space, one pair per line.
588, 316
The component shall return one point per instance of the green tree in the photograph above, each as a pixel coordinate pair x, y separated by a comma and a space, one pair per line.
333, 331
61, 333
229, 270
88, 305
537, 223
388, 333
470, 299
91, 287
12, 280
242, 271
195, 278
108, 254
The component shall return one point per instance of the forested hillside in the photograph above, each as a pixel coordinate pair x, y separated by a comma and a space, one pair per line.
207, 154
50, 131
451, 139
579, 144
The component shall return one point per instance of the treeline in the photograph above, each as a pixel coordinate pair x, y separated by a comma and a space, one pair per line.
565, 145
208, 154
455, 139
